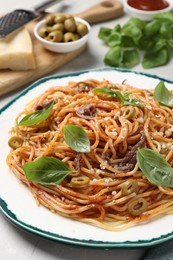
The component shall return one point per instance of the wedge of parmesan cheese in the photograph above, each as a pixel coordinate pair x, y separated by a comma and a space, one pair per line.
16, 52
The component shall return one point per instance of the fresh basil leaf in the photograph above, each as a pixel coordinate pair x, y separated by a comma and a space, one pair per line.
152, 60
132, 31
155, 168
37, 116
170, 43
76, 138
132, 102
116, 94
106, 91
145, 43
130, 58
152, 28
124, 99
117, 28
114, 39
118, 56
114, 56
46, 170
126, 95
163, 95
164, 16
140, 24
104, 34
166, 30
158, 45
127, 41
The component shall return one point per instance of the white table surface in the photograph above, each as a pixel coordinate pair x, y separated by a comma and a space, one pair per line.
17, 244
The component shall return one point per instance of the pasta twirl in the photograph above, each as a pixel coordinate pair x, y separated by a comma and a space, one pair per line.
105, 187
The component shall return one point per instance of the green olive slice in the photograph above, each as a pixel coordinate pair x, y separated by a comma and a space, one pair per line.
129, 187
15, 142
79, 181
137, 206
129, 112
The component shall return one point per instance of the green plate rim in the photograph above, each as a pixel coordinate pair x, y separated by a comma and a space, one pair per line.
52, 236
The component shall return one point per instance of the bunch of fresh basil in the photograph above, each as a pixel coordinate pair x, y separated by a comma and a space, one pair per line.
150, 43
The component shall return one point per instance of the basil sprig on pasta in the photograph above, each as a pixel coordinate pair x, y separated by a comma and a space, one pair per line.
163, 95
76, 138
36, 117
124, 99
46, 170
155, 168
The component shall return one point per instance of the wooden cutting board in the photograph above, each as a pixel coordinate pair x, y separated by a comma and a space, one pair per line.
47, 61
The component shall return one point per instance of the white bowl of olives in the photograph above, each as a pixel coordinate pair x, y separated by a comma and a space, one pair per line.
62, 32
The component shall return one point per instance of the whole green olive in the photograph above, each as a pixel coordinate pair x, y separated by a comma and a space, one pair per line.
50, 19
58, 26
44, 31
77, 37
60, 18
70, 25
55, 36
69, 16
82, 29
69, 37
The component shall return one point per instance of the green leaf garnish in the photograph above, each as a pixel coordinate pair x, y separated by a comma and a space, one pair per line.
46, 170
130, 58
124, 99
104, 33
114, 56
106, 91
37, 116
117, 56
76, 138
163, 95
155, 59
125, 42
155, 168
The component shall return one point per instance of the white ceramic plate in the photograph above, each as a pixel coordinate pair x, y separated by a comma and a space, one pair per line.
18, 204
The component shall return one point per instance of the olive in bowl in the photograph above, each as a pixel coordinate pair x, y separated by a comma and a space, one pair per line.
62, 33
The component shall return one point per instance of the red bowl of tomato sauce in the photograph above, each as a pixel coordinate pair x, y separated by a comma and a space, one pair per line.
145, 9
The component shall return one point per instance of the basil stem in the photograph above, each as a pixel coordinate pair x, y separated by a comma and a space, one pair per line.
155, 168
37, 116
163, 95
124, 99
46, 170
76, 138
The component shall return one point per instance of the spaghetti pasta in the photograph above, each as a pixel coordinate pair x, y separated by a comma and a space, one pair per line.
105, 186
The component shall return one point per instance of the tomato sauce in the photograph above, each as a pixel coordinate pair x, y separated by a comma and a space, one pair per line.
148, 5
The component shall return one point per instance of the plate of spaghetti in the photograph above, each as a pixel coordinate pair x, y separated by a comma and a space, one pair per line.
87, 159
